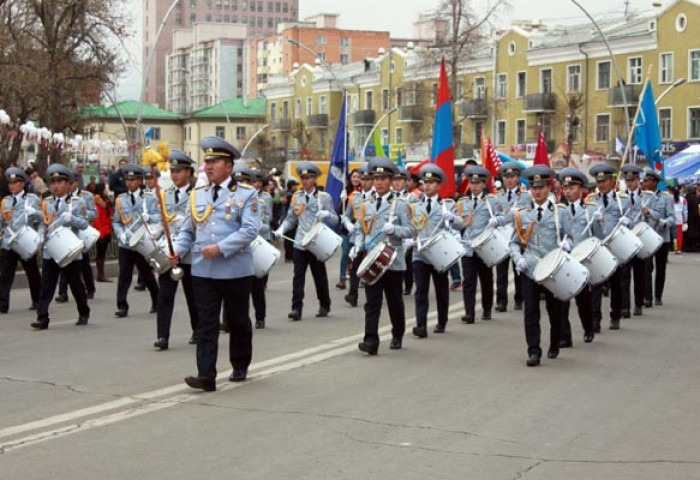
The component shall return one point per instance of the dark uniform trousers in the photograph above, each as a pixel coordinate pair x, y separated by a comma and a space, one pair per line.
584, 306
127, 260
408, 275
502, 283
8, 266
615, 283
423, 272
660, 258
258, 293
166, 300
302, 260
289, 245
354, 279
50, 272
633, 270
210, 295
531, 306
87, 277
473, 267
388, 286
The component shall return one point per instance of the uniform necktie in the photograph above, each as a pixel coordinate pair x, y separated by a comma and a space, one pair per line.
379, 203
216, 192
430, 205
306, 197
632, 198
14, 200
177, 196
510, 196
539, 214
57, 204
133, 199
476, 200
573, 209
605, 200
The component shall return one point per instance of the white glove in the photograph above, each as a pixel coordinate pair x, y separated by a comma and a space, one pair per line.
350, 228
388, 228
29, 210
146, 217
278, 233
343, 195
408, 242
513, 210
684, 228
123, 238
448, 216
66, 218
178, 221
354, 251
566, 245
662, 223
521, 265
322, 215
625, 221
493, 223
598, 215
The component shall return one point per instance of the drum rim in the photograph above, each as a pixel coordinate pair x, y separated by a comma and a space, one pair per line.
591, 252
560, 255
312, 233
479, 241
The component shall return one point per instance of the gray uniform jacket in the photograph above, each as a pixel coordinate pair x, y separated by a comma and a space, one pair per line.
519, 198
427, 223
127, 216
576, 222
13, 216
265, 202
474, 220
302, 213
89, 199
54, 218
618, 206
176, 212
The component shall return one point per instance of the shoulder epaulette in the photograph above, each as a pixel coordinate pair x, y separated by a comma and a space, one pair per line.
561, 205
591, 201
666, 193
623, 195
244, 185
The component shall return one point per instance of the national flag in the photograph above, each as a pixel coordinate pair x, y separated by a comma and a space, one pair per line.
541, 155
335, 182
399, 161
416, 168
443, 152
378, 146
490, 159
149, 133
646, 131
619, 145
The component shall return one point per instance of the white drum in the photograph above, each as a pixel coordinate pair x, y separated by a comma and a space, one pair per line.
442, 250
376, 262
63, 246
559, 273
158, 259
623, 244
651, 241
593, 255
265, 256
492, 246
89, 236
321, 241
25, 242
143, 243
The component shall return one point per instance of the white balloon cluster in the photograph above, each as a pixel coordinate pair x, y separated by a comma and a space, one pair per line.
4, 117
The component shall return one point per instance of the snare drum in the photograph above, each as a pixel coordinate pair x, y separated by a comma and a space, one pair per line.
158, 259
623, 244
442, 250
376, 263
25, 242
492, 246
143, 243
265, 256
651, 241
63, 246
593, 255
561, 274
89, 236
321, 241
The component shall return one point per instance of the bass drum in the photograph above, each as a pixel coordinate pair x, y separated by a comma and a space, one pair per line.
559, 273
376, 263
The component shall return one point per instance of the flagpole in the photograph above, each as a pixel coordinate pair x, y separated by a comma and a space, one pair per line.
625, 155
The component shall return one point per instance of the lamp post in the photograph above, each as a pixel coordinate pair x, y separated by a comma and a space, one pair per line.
369, 136
250, 141
675, 84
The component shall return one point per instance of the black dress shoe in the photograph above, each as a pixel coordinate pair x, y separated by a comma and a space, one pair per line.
625, 313
82, 320
486, 316
368, 349
637, 311
121, 313
395, 344
33, 306
439, 328
647, 304
140, 287
518, 306
596, 327
193, 339
658, 302
61, 298
238, 375
553, 353
153, 309
500, 308
161, 343
223, 327
322, 312
202, 383
260, 324
3, 310
588, 337
533, 360
614, 324
420, 332
341, 284
40, 325
566, 343
351, 299
468, 318
295, 315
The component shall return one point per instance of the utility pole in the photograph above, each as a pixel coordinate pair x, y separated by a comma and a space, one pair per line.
627, 9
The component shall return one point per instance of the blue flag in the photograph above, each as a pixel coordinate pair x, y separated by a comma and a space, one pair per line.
336, 171
149, 133
400, 162
646, 131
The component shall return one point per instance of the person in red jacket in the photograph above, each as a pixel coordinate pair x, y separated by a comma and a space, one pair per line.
103, 223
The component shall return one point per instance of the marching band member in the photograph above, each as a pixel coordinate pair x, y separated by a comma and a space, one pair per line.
608, 209
265, 204
132, 210
536, 234
19, 209
576, 222
662, 218
400, 188
350, 219
428, 216
221, 223
176, 202
475, 213
61, 210
513, 197
384, 217
634, 269
86, 268
308, 206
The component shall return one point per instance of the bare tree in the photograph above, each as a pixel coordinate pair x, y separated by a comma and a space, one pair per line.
574, 103
303, 136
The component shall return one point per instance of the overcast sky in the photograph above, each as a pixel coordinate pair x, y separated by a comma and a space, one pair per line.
398, 16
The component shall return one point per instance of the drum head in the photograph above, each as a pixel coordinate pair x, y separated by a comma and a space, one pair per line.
482, 237
548, 265
585, 249
136, 237
311, 234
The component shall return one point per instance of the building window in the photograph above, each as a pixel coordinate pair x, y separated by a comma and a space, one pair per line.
694, 122
240, 133
385, 136
521, 85
520, 131
368, 100
285, 109
344, 58
573, 80
433, 94
681, 22
308, 105
666, 68
399, 97
665, 123
385, 99
634, 71
322, 104
602, 128
603, 78
156, 133
193, 3
399, 135
344, 41
479, 88
546, 80
297, 108
501, 132
321, 40
694, 65
502, 85
273, 111
193, 17
220, 132
321, 56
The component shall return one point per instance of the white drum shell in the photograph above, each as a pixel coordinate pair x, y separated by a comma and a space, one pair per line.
442, 250
651, 241
158, 260
142, 243
265, 256
63, 246
25, 242
89, 236
599, 261
623, 244
561, 274
322, 242
492, 246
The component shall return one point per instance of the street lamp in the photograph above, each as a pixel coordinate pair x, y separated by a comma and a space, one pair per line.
675, 84
250, 141
381, 119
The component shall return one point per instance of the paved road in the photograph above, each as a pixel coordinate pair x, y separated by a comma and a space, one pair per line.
99, 402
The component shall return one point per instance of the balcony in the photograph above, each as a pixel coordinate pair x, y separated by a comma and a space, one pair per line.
411, 113
281, 125
364, 118
540, 103
632, 93
319, 120
475, 109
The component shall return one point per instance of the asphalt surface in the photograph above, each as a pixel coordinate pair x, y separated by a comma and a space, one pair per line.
98, 402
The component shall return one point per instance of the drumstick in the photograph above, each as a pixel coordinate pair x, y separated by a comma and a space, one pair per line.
290, 239
590, 223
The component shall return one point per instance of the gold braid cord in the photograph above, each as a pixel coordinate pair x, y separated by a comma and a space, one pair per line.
46, 218
7, 215
524, 236
460, 210
418, 222
168, 216
365, 227
193, 209
125, 221
297, 210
